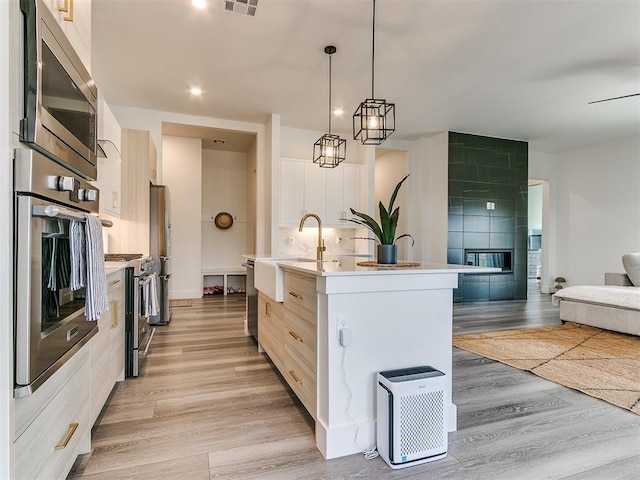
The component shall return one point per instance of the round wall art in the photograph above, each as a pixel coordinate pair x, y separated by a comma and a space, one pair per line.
223, 220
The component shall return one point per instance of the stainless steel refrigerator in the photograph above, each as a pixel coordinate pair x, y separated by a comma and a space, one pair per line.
160, 249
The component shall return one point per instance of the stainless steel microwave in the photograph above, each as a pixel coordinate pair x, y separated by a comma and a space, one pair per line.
60, 98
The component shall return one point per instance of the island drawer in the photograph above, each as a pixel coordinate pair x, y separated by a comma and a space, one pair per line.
301, 379
300, 338
271, 329
300, 295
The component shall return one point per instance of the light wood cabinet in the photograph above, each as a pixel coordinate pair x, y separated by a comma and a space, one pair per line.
107, 346
138, 154
329, 193
109, 180
271, 329
288, 333
74, 17
52, 426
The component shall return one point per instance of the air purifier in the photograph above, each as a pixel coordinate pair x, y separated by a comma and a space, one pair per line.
411, 427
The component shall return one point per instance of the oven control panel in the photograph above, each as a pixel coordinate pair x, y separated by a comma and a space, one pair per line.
40, 175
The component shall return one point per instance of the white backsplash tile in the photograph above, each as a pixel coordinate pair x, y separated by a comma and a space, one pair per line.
338, 241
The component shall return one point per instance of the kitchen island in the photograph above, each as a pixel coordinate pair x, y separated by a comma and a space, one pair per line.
396, 318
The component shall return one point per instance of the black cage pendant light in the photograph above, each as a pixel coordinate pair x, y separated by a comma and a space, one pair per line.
374, 119
330, 149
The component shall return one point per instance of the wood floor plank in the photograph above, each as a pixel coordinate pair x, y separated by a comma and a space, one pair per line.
208, 405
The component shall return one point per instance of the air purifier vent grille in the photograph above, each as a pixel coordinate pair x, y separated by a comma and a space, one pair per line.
421, 426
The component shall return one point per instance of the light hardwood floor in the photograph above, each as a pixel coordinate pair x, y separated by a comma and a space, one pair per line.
209, 406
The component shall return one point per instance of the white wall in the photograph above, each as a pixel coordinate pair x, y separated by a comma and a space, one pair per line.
429, 167
224, 189
535, 207
181, 172
391, 167
598, 209
544, 167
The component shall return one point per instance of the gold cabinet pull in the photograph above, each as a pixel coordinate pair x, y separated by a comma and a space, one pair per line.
67, 7
267, 309
72, 429
296, 336
294, 376
113, 283
296, 295
114, 313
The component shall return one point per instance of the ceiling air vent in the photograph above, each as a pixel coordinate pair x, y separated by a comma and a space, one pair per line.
242, 7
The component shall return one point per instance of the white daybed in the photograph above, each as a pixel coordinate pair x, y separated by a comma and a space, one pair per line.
613, 306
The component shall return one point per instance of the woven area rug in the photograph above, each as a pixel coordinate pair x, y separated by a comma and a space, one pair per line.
600, 363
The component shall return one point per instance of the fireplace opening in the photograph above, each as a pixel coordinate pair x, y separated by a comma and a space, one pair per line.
490, 258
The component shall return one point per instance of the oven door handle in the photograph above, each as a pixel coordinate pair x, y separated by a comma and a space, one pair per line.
51, 211
146, 350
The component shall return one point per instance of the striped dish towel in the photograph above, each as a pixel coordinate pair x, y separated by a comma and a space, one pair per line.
97, 301
77, 247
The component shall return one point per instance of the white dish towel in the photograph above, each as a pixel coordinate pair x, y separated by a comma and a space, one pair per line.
151, 297
96, 302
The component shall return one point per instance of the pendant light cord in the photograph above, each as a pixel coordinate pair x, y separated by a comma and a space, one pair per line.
329, 94
373, 50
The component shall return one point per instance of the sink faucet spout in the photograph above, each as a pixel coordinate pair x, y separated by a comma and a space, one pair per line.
321, 248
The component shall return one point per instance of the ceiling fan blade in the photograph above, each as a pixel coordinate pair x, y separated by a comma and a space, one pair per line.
614, 98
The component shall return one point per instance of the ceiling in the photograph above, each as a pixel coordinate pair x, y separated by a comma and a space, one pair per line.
520, 69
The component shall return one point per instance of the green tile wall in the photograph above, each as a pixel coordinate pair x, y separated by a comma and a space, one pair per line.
481, 170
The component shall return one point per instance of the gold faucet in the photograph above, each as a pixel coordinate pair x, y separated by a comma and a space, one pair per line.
321, 247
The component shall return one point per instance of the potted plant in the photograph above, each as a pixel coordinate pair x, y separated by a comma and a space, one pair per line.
384, 232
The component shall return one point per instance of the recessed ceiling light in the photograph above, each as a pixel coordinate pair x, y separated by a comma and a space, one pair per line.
195, 91
199, 3
338, 111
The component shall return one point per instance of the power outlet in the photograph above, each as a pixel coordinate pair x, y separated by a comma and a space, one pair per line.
342, 323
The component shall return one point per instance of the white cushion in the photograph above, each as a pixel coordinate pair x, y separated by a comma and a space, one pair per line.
631, 263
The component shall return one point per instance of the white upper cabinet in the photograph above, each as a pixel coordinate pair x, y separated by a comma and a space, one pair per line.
291, 192
74, 16
327, 192
343, 193
315, 190
109, 180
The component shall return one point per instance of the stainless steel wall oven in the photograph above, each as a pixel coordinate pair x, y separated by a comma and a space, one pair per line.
60, 98
50, 321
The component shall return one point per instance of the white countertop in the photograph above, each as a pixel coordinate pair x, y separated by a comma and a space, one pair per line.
113, 267
348, 265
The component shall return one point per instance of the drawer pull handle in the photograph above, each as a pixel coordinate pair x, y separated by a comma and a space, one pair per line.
267, 309
296, 336
295, 378
67, 7
114, 313
296, 295
72, 429
115, 282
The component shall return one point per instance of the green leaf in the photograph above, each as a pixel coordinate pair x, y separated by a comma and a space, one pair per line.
395, 193
368, 222
385, 232
413, 242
